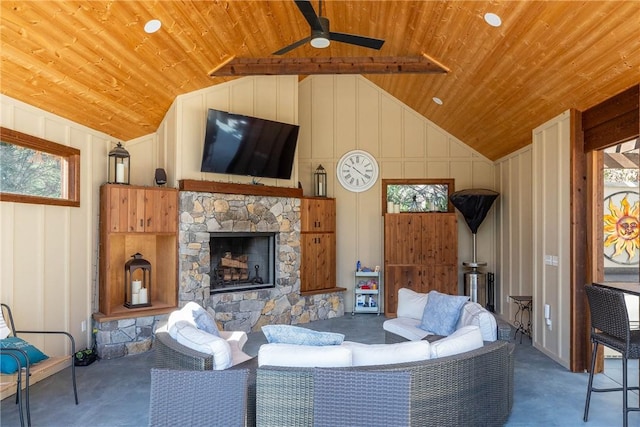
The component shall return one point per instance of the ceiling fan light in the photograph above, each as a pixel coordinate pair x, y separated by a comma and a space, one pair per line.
320, 42
492, 19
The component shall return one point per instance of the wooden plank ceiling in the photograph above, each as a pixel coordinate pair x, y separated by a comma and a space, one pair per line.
91, 61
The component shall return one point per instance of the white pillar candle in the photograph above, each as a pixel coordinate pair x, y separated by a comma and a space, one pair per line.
396, 208
320, 193
390, 207
120, 173
144, 296
135, 298
136, 285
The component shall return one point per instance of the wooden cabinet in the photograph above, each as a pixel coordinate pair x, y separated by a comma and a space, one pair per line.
138, 209
138, 219
420, 253
318, 244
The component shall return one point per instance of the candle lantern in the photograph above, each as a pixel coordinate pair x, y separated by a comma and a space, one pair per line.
320, 182
137, 282
119, 165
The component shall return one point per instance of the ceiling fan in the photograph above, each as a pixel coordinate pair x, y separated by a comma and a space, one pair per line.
320, 36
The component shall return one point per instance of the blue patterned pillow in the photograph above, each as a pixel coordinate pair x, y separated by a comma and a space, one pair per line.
288, 334
441, 313
8, 364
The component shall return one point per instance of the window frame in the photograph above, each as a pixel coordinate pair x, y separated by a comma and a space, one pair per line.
70, 154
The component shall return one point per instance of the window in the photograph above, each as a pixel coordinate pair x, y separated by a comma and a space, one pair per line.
34, 170
418, 195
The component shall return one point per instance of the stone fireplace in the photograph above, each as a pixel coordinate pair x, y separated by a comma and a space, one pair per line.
203, 218
242, 261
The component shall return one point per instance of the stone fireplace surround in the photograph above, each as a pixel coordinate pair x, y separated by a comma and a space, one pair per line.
201, 213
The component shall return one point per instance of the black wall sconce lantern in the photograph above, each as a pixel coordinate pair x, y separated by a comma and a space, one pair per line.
320, 182
137, 282
119, 166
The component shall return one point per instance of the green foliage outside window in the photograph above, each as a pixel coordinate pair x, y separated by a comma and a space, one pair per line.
30, 172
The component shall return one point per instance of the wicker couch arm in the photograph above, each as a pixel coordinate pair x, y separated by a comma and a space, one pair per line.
170, 354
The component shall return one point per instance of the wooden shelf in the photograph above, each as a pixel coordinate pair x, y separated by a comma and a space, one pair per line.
121, 312
231, 188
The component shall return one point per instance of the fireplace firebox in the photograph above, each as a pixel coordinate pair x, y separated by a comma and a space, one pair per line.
242, 261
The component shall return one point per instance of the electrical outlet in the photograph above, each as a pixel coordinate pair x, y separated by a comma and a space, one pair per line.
83, 326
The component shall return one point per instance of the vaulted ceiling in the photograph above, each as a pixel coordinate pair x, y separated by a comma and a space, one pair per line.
93, 63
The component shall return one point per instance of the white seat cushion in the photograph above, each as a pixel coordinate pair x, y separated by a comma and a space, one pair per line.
384, 354
405, 327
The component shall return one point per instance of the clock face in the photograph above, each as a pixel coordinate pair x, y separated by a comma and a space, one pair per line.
357, 171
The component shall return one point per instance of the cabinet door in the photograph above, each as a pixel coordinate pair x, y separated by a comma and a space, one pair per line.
123, 208
442, 278
317, 215
439, 239
396, 277
318, 269
160, 211
402, 242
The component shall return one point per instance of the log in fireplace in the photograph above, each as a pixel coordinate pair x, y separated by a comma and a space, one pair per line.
242, 261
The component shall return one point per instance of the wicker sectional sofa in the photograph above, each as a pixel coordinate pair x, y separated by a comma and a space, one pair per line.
468, 389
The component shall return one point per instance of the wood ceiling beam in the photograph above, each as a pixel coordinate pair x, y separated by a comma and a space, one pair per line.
236, 67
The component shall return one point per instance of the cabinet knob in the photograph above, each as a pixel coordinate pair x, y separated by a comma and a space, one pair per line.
141, 222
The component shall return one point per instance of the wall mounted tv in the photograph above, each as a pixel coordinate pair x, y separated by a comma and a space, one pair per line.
242, 145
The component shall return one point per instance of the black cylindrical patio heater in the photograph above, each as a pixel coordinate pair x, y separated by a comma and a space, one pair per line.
474, 204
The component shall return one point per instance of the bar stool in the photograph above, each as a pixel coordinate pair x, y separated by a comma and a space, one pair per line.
610, 327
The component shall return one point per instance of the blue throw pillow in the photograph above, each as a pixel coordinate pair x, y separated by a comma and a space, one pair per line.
8, 364
441, 313
288, 334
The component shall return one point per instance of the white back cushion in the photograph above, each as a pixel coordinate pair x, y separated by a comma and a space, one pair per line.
385, 354
464, 339
305, 356
473, 314
411, 303
188, 335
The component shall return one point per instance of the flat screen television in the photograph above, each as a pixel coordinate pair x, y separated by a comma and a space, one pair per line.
242, 145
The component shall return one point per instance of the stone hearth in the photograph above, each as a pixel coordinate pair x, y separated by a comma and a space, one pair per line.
202, 213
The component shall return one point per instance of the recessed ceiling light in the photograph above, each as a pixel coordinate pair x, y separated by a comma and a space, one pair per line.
492, 19
437, 100
152, 26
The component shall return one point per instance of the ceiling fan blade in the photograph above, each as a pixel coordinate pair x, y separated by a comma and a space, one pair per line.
357, 40
309, 14
292, 46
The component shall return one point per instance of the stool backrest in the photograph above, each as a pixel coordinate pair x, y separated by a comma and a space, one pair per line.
608, 312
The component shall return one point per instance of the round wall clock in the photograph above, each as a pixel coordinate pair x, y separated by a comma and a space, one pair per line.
357, 171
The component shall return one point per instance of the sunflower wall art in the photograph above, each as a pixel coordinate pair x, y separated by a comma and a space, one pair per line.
621, 228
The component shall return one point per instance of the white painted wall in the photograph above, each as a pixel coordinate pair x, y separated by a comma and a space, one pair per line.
342, 113
48, 254
534, 215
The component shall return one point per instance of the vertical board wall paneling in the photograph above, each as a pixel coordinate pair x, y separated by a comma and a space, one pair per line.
47, 262
551, 143
514, 225
402, 151
242, 96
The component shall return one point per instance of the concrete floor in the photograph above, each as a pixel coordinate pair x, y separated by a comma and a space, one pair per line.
116, 392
